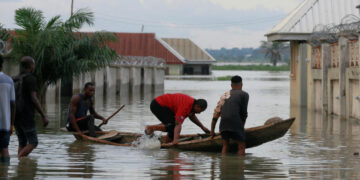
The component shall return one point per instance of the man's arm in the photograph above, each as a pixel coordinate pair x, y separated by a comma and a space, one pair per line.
196, 121
72, 110
13, 111
217, 112
177, 131
95, 114
36, 102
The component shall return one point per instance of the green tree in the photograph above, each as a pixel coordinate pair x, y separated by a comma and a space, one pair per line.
59, 50
273, 50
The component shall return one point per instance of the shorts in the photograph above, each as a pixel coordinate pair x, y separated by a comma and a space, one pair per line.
226, 135
26, 135
165, 115
4, 139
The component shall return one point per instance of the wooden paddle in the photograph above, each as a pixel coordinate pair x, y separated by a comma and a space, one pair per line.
106, 120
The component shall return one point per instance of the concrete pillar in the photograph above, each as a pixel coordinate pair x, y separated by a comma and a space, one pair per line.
110, 80
303, 73
124, 80
326, 59
343, 64
99, 82
148, 80
135, 80
158, 79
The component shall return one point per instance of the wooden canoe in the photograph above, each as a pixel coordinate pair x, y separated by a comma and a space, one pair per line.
255, 136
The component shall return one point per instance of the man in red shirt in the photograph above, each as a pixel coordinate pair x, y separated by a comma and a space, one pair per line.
171, 110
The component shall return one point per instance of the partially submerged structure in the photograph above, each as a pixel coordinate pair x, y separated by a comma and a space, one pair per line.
324, 73
182, 56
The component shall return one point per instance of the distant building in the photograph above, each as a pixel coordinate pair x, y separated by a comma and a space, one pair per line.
314, 83
196, 60
182, 56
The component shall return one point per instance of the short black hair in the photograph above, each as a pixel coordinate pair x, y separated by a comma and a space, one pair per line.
88, 84
26, 62
202, 103
1, 60
236, 79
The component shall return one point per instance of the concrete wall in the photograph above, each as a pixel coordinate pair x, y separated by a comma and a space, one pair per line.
332, 87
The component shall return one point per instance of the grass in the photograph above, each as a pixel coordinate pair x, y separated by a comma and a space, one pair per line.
252, 67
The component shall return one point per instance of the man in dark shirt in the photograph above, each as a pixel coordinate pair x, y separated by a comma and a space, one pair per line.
80, 104
24, 121
232, 108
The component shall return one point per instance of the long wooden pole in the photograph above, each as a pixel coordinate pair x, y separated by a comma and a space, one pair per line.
106, 120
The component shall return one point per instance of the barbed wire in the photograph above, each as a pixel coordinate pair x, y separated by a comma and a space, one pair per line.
141, 61
349, 27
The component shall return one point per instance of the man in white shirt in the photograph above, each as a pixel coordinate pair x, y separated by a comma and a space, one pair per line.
7, 113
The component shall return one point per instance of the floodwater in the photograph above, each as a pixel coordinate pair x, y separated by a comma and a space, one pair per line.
316, 147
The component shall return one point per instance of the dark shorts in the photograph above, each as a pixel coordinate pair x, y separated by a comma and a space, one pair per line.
4, 139
165, 115
26, 135
226, 135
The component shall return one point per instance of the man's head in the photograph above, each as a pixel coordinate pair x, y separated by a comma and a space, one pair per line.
199, 105
236, 83
1, 62
27, 64
89, 89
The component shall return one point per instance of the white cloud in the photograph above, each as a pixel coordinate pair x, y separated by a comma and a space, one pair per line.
228, 38
283, 5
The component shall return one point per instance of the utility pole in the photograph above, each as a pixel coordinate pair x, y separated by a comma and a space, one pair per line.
72, 7
142, 28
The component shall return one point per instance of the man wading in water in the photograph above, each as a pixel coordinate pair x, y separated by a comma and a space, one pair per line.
232, 107
78, 120
26, 103
171, 110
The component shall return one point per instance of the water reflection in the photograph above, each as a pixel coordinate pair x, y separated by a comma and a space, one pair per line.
27, 168
324, 146
81, 158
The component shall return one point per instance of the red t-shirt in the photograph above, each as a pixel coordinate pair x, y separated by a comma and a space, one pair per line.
180, 104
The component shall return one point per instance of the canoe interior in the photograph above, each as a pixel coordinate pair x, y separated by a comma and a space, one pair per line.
201, 142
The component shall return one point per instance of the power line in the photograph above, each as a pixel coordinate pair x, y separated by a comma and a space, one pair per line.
132, 21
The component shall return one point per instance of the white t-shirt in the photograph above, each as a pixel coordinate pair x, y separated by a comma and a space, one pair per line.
7, 94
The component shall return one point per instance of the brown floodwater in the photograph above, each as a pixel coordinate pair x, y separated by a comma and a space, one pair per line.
316, 147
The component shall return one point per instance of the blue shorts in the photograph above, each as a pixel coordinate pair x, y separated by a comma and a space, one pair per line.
4, 139
26, 135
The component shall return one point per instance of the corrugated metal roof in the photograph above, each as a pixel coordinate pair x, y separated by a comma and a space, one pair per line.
143, 44
188, 49
310, 13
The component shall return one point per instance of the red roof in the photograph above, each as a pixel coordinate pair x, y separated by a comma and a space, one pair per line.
142, 44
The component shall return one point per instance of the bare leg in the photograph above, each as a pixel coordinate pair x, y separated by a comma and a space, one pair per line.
26, 150
225, 147
4, 156
151, 128
241, 148
167, 139
20, 149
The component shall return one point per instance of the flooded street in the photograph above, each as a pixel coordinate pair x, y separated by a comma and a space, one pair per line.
315, 147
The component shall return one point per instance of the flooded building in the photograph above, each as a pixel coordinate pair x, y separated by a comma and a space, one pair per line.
196, 61
324, 73
182, 56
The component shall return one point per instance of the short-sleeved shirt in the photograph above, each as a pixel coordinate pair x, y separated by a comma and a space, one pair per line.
26, 118
7, 95
233, 111
180, 104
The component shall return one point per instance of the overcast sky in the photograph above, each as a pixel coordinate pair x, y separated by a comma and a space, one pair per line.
209, 23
